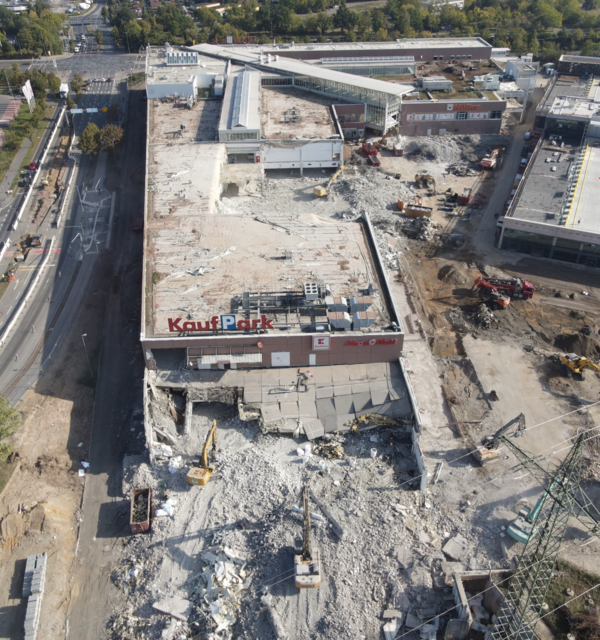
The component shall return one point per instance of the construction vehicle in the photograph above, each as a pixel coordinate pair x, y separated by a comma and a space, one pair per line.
9, 276
513, 287
35, 240
523, 526
378, 144
201, 475
489, 448
490, 161
307, 562
369, 148
323, 191
577, 365
374, 161
425, 181
414, 208
494, 295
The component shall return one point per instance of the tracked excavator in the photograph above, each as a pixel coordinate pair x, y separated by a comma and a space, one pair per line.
489, 448
201, 475
425, 181
577, 365
378, 144
319, 192
307, 562
502, 301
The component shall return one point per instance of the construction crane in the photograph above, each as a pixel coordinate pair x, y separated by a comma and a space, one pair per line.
527, 589
502, 301
577, 365
322, 191
489, 449
307, 563
201, 475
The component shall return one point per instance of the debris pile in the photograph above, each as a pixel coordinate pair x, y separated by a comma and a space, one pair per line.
125, 624
140, 507
483, 316
332, 450
419, 228
461, 169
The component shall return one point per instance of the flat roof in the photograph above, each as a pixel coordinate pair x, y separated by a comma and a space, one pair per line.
585, 59
404, 43
565, 85
242, 101
299, 67
158, 72
311, 115
545, 191
578, 108
584, 214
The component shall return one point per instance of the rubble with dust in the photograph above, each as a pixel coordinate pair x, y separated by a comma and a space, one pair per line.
483, 316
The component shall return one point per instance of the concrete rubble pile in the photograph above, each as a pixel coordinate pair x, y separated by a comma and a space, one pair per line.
461, 169
483, 316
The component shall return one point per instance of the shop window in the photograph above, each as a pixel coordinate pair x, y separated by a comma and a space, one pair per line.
496, 115
461, 115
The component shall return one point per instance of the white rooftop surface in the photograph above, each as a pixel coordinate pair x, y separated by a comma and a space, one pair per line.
252, 56
584, 214
405, 43
584, 108
245, 114
158, 71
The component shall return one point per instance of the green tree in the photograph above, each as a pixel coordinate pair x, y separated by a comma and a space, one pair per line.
9, 423
98, 35
381, 35
590, 5
324, 22
104, 14
111, 136
89, 141
53, 82
70, 103
77, 84
344, 19
206, 17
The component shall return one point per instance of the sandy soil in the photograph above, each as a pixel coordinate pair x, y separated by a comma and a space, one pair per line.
39, 506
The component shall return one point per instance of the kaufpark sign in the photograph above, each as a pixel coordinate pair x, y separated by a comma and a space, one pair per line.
228, 322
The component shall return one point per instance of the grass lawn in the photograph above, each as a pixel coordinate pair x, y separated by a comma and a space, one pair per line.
20, 126
566, 576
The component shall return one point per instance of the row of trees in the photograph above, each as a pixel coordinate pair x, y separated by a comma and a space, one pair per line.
541, 26
94, 139
36, 31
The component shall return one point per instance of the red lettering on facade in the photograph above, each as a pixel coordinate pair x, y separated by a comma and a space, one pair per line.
369, 343
174, 325
266, 324
466, 107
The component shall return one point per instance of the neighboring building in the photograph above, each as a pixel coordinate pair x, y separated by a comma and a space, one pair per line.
578, 65
554, 211
523, 73
240, 113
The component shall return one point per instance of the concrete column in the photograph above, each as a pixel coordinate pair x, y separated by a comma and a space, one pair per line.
189, 410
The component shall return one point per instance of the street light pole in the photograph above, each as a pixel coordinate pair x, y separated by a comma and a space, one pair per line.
83, 336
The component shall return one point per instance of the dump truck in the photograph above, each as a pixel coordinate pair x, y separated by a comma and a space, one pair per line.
513, 287
141, 510
374, 161
369, 148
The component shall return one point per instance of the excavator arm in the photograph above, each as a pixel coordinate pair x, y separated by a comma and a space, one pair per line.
588, 514
212, 437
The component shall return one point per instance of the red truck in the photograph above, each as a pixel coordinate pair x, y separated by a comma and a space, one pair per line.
513, 287
374, 160
369, 149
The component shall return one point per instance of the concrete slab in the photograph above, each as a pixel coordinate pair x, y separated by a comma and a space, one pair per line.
379, 397
362, 401
175, 606
357, 372
309, 394
289, 409
340, 375
344, 404
343, 422
270, 412
378, 385
360, 387
322, 376
456, 548
400, 408
342, 390
252, 394
393, 394
307, 408
325, 407
324, 392
313, 429
329, 422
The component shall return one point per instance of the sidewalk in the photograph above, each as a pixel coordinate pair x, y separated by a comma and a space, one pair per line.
13, 170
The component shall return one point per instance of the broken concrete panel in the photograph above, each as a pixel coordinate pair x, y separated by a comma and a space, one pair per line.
401, 408
404, 556
313, 429
340, 375
378, 385
388, 614
391, 628
270, 412
357, 372
393, 394
456, 548
330, 423
343, 422
325, 407
175, 606
411, 621
322, 376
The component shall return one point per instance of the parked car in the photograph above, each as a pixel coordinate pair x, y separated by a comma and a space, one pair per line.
33, 165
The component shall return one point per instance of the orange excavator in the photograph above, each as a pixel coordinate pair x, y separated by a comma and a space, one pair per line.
494, 294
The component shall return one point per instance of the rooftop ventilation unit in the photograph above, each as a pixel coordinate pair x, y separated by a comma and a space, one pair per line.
363, 319
360, 303
311, 291
337, 303
339, 320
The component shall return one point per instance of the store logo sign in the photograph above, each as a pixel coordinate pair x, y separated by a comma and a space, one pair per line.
228, 323
321, 343
370, 343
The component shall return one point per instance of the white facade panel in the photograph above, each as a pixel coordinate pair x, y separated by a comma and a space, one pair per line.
322, 153
163, 90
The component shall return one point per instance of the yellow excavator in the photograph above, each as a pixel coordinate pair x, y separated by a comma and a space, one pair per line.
201, 475
425, 181
489, 448
378, 144
307, 561
322, 191
577, 365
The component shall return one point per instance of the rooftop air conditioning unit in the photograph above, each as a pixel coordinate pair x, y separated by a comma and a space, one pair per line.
337, 303
339, 320
311, 291
360, 303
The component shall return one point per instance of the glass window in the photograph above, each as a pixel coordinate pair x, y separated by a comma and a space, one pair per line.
495, 115
461, 115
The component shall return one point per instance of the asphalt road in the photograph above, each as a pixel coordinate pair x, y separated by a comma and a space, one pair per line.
118, 411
